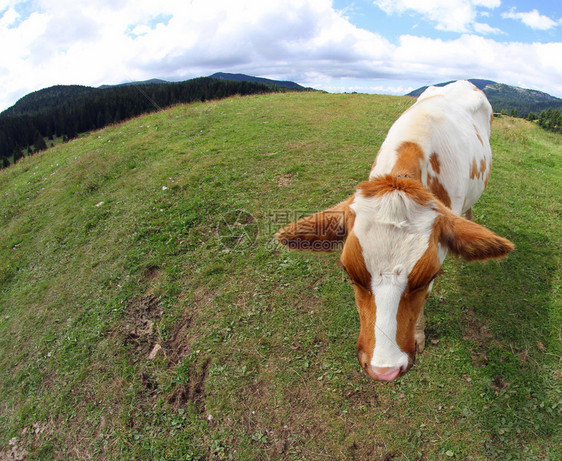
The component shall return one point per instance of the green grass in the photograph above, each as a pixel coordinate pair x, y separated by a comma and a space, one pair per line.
158, 232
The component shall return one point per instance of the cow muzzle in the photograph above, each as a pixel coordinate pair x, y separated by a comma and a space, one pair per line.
383, 373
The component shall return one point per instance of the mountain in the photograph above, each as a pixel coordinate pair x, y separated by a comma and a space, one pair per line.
507, 97
48, 99
249, 78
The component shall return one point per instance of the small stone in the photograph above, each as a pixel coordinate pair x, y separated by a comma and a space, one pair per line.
154, 352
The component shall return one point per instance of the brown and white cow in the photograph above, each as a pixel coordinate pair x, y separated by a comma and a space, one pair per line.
398, 226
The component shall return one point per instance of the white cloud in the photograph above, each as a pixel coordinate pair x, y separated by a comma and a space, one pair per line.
531, 65
485, 29
108, 41
449, 15
533, 19
8, 18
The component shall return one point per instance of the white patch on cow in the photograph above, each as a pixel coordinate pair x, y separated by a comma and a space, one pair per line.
394, 233
388, 291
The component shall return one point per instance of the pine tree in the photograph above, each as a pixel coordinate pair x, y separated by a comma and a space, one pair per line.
39, 142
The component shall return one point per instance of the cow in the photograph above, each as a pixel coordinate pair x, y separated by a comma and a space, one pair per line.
396, 229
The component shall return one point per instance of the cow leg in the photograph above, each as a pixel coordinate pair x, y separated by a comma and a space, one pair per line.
468, 214
419, 334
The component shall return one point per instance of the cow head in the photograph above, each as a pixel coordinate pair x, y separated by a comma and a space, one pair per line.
394, 235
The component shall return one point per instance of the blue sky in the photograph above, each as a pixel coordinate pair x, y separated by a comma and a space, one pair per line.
366, 14
372, 46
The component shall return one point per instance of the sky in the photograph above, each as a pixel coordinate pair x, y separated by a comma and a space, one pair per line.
368, 46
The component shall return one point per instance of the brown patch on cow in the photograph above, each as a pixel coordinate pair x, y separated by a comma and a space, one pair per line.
285, 179
438, 190
386, 184
482, 167
365, 303
435, 164
409, 309
479, 172
352, 261
427, 267
474, 173
409, 160
478, 135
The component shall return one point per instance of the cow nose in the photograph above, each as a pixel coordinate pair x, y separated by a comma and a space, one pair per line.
383, 373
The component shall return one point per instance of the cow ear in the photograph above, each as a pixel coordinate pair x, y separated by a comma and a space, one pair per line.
323, 231
472, 241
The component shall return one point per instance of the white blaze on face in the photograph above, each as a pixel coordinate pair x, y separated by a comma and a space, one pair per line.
388, 290
394, 232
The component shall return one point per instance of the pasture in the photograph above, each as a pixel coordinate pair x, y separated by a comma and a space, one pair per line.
146, 313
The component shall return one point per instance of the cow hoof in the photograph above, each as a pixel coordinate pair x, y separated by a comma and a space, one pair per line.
420, 343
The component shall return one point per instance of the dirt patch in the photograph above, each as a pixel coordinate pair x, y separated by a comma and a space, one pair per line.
151, 273
142, 315
31, 437
363, 397
369, 450
194, 390
140, 331
477, 331
15, 451
176, 347
284, 180
499, 384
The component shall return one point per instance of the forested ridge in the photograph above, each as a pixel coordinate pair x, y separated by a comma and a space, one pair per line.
65, 111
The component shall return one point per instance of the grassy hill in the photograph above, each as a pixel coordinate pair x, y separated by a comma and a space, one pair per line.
145, 313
